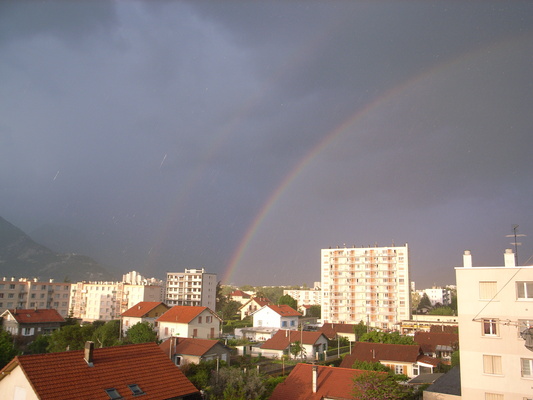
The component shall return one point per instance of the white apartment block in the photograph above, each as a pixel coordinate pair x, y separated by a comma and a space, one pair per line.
305, 297
495, 330
31, 293
369, 284
92, 301
437, 295
194, 287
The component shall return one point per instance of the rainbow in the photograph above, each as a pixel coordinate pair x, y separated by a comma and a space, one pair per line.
337, 132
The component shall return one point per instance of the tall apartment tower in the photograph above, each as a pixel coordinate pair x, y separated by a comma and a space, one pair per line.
194, 287
369, 284
495, 330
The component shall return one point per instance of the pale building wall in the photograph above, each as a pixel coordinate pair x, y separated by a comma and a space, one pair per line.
266, 317
500, 338
370, 284
193, 287
15, 386
305, 297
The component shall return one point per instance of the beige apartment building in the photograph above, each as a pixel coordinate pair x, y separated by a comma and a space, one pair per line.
306, 297
495, 330
194, 287
369, 284
91, 301
33, 293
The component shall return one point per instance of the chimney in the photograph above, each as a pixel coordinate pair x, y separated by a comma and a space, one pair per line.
89, 349
315, 376
509, 258
467, 259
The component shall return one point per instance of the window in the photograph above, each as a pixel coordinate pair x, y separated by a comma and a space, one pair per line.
493, 396
487, 290
136, 390
524, 290
113, 394
490, 327
527, 367
283, 324
492, 365
398, 369
200, 319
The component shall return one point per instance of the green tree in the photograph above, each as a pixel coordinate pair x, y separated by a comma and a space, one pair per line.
289, 301
234, 384
7, 348
455, 358
315, 311
297, 349
373, 385
221, 298
359, 330
424, 302
107, 334
371, 366
70, 337
453, 302
385, 337
441, 311
141, 332
39, 345
230, 310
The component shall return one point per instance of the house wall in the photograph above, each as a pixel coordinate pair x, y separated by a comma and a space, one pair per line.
266, 317
476, 304
15, 386
204, 330
440, 396
168, 329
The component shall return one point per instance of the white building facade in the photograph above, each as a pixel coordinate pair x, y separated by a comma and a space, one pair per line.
34, 293
305, 297
495, 330
436, 295
194, 287
369, 284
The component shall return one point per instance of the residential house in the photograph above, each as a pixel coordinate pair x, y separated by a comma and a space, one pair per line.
189, 321
252, 305
30, 323
332, 331
314, 344
239, 296
145, 311
314, 382
188, 350
400, 358
121, 372
438, 345
495, 329
447, 387
268, 320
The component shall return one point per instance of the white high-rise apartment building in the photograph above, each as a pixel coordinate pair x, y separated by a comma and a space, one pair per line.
194, 287
26, 293
369, 284
306, 297
91, 301
495, 330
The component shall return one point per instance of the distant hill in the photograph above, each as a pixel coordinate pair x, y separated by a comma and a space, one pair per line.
20, 257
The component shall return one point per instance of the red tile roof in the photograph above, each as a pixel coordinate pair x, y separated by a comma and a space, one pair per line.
189, 346
374, 352
239, 293
67, 375
182, 314
332, 383
429, 341
139, 310
281, 339
33, 316
284, 310
331, 330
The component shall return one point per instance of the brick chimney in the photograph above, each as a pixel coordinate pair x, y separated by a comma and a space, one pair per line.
88, 356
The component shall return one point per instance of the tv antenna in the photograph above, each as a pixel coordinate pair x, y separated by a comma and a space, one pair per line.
516, 243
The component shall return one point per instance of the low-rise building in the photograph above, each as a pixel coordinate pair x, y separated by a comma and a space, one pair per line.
252, 305
183, 351
145, 311
120, 372
438, 345
189, 322
280, 317
314, 344
30, 323
403, 359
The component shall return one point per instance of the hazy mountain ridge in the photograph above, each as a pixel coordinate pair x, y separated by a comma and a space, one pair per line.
22, 257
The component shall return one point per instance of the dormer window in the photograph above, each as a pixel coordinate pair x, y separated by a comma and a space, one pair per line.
136, 390
113, 394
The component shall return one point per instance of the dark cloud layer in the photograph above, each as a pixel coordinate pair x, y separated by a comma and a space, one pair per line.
160, 131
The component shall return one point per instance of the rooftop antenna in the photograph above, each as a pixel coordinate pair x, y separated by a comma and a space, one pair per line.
516, 243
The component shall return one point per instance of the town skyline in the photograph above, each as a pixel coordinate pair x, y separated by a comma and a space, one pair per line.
245, 137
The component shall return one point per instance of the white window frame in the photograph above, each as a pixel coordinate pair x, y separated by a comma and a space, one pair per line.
526, 367
489, 327
524, 290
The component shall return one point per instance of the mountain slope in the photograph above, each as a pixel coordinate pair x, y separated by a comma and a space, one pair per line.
20, 257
